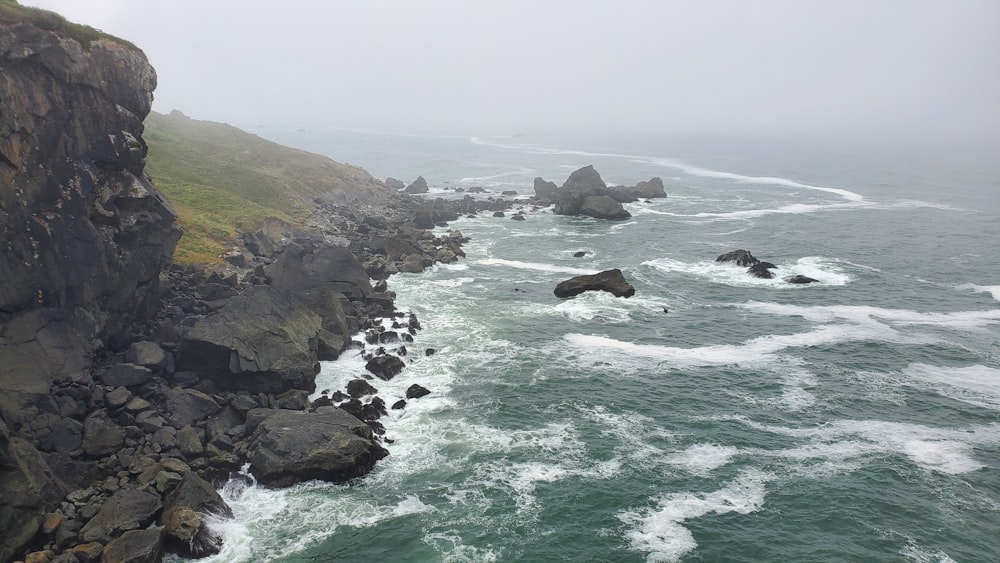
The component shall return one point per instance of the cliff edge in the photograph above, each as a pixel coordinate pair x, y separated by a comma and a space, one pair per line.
84, 235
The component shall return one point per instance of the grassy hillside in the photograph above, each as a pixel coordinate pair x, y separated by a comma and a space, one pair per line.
11, 10
223, 181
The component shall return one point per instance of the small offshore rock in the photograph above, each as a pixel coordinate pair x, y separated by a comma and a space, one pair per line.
801, 279
611, 281
416, 391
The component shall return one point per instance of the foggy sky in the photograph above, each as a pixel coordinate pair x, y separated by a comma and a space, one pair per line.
895, 69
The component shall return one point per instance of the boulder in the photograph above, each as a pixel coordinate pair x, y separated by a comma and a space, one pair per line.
101, 436
184, 517
260, 341
136, 546
611, 281
359, 388
126, 375
579, 254
799, 278
653, 188
416, 391
291, 446
147, 354
127, 509
28, 490
762, 270
393, 183
385, 367
738, 257
602, 207
419, 186
184, 407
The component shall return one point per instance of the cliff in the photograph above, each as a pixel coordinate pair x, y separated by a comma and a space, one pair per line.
84, 234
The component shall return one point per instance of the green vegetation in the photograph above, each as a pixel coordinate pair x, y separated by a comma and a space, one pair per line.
223, 181
10, 10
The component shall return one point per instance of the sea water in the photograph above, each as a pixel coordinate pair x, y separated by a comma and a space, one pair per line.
713, 416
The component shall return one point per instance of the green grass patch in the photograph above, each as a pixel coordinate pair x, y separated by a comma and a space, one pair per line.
10, 10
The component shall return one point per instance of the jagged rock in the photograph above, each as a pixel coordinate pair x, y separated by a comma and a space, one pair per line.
359, 388
545, 192
393, 183
136, 546
101, 436
653, 188
762, 270
147, 354
185, 407
260, 341
585, 193
621, 194
799, 278
611, 281
385, 367
184, 512
28, 489
288, 447
400, 404
419, 186
126, 375
416, 391
225, 420
128, 509
293, 399
739, 258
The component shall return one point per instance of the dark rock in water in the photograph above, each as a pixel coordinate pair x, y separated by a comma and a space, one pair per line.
184, 517
545, 192
499, 214
128, 509
611, 281
739, 258
579, 254
416, 391
430, 352
585, 193
801, 279
621, 195
260, 341
518, 217
136, 546
393, 183
359, 388
509, 192
650, 189
400, 404
385, 367
761, 270
289, 447
419, 186
477, 190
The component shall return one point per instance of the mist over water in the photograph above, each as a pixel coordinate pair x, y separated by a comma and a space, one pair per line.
712, 416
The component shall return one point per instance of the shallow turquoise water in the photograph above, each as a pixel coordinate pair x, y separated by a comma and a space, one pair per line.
712, 416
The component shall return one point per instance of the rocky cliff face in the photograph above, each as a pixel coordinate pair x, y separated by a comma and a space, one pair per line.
83, 235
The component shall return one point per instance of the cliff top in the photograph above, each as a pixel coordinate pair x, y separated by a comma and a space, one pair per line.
12, 11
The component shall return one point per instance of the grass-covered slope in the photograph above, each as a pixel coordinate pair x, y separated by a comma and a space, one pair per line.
11, 10
223, 181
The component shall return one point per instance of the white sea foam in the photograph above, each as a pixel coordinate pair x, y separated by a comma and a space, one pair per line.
977, 385
918, 554
824, 270
659, 531
701, 459
944, 450
862, 314
993, 290
790, 209
533, 266
482, 179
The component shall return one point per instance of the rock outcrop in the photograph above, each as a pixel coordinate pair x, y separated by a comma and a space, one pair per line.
650, 189
419, 186
611, 281
545, 192
583, 193
288, 447
738, 257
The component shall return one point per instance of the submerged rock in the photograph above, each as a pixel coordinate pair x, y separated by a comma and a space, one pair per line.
385, 367
738, 257
611, 281
184, 517
799, 278
762, 270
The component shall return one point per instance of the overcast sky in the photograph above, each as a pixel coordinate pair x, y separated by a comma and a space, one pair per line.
917, 69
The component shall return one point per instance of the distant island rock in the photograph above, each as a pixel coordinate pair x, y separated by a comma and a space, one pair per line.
611, 281
758, 268
393, 183
585, 193
419, 186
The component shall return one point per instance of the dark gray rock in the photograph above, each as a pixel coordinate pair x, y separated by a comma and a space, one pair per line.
545, 192
28, 489
585, 193
738, 257
147, 354
611, 281
393, 183
799, 278
653, 188
101, 436
761, 270
416, 391
385, 367
400, 404
117, 398
359, 388
190, 442
293, 399
579, 254
261, 340
128, 509
126, 375
419, 186
185, 407
223, 421
184, 517
136, 546
289, 447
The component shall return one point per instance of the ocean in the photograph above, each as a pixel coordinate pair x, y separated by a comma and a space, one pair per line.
712, 416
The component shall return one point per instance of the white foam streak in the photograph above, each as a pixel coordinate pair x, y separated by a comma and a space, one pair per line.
861, 314
534, 266
659, 531
977, 385
826, 271
701, 459
993, 290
